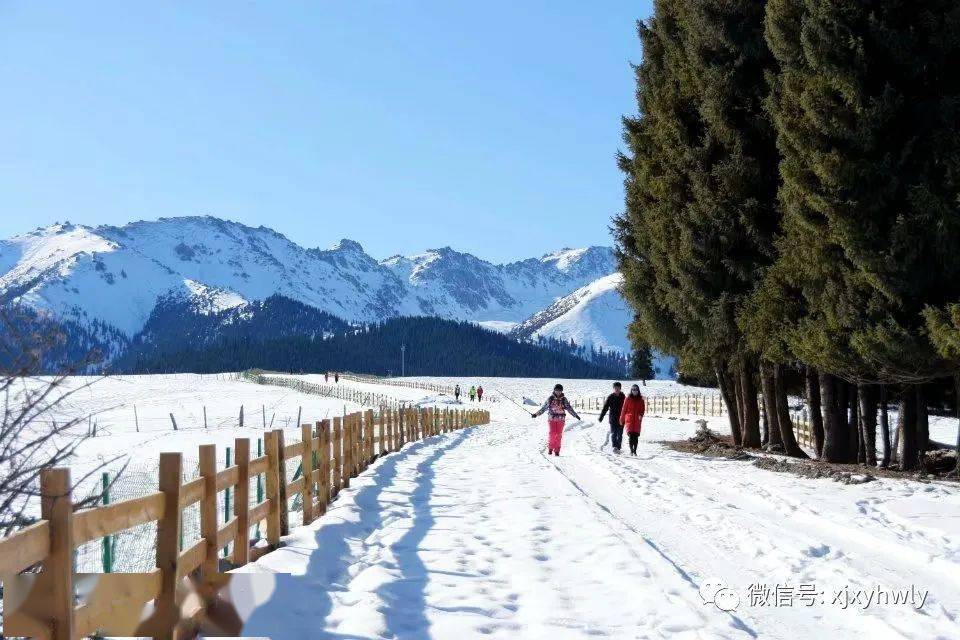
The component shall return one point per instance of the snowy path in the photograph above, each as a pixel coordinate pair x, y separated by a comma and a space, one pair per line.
479, 534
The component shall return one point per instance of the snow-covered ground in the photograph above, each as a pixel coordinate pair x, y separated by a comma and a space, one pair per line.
480, 534
132, 414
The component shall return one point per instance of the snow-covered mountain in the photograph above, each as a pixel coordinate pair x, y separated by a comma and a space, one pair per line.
117, 275
595, 315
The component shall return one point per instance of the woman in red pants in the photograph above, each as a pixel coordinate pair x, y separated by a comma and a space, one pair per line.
556, 407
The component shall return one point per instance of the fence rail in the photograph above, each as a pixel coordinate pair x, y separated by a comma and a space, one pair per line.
411, 384
330, 453
708, 405
341, 392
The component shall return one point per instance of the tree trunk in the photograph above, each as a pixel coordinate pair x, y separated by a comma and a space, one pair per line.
843, 419
741, 408
768, 388
884, 427
751, 413
813, 404
895, 451
868, 423
729, 393
956, 402
853, 425
834, 438
764, 421
787, 436
923, 422
907, 430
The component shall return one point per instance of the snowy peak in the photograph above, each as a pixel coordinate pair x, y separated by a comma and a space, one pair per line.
594, 315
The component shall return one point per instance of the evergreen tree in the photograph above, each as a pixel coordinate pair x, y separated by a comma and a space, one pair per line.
700, 214
865, 107
641, 364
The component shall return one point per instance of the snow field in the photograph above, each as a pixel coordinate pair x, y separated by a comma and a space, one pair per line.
480, 534
109, 403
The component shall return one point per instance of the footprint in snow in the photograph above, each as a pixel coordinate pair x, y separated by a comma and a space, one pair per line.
818, 551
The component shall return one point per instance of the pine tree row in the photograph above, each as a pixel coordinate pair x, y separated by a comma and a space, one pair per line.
792, 211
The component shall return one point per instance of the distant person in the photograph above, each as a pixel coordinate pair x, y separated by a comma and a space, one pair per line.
479, 394
556, 407
614, 404
336, 378
326, 376
631, 416
473, 393
456, 393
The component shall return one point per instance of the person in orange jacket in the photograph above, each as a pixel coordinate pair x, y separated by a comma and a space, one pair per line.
631, 416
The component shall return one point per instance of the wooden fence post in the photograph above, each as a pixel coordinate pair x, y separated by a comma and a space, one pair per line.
368, 438
56, 507
337, 436
208, 510
395, 422
282, 468
323, 487
273, 487
389, 430
167, 612
361, 443
382, 429
306, 465
347, 463
241, 505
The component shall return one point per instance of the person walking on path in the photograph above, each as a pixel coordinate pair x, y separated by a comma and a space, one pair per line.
614, 405
336, 378
456, 393
479, 394
326, 376
473, 393
631, 416
556, 407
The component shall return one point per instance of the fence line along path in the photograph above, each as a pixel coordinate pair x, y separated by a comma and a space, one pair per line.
707, 405
341, 392
410, 384
330, 453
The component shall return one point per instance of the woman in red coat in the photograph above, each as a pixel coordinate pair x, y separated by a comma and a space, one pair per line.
631, 416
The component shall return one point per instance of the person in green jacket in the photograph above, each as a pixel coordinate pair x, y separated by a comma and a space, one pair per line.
473, 393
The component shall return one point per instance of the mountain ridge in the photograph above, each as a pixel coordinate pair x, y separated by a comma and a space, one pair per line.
117, 274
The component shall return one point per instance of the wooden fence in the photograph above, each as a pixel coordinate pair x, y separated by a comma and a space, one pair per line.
411, 384
341, 392
331, 452
708, 405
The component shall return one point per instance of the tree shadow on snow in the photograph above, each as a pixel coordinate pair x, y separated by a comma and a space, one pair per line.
300, 605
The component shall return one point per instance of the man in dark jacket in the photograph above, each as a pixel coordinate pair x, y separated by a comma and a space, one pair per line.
614, 404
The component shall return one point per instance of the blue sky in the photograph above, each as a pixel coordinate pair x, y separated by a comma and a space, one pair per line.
489, 126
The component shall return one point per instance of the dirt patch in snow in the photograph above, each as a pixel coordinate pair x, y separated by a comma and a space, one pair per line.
937, 465
709, 443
